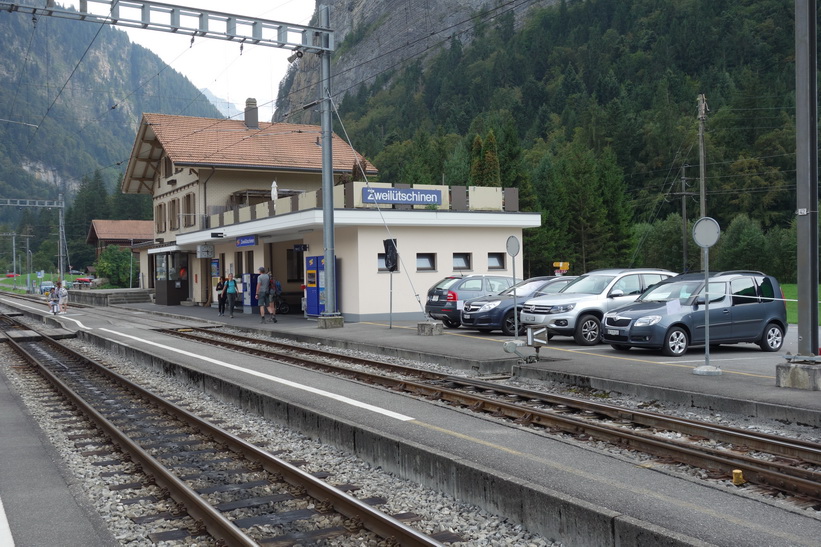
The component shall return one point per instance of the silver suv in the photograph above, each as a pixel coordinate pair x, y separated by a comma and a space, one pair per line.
577, 310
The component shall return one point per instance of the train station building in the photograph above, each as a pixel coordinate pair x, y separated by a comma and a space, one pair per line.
230, 196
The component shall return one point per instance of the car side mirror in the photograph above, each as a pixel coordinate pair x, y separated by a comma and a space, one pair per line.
616, 292
700, 300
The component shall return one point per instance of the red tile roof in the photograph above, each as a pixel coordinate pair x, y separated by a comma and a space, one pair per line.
191, 141
120, 230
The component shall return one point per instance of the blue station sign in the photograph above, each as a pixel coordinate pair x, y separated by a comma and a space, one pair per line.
403, 196
247, 241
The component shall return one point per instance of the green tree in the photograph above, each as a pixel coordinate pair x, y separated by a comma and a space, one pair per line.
114, 264
619, 209
490, 162
91, 203
741, 246
476, 162
576, 174
660, 245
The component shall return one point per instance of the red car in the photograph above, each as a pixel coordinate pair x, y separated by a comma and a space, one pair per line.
12, 275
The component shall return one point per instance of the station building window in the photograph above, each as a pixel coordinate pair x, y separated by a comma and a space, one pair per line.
174, 214
425, 262
294, 261
381, 266
462, 261
159, 218
189, 210
496, 261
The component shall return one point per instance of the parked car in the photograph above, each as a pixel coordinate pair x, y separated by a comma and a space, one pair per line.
446, 298
577, 310
495, 312
46, 286
745, 306
75, 272
84, 281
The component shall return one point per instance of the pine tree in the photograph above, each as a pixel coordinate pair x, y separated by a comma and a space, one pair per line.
476, 163
490, 162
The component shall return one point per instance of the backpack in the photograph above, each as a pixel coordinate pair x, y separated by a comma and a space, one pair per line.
274, 286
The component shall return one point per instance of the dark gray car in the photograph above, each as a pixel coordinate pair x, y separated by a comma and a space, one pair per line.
745, 306
446, 298
495, 311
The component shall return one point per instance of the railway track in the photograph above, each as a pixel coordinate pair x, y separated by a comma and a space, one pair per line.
772, 462
226, 487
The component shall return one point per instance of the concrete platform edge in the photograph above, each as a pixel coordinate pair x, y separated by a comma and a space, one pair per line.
571, 520
72, 517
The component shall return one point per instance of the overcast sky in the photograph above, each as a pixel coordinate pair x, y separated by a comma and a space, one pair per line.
219, 65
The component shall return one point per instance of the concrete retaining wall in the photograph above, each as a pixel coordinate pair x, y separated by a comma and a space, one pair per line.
559, 517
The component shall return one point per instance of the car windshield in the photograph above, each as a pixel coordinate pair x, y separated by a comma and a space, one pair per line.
677, 290
588, 284
447, 282
523, 288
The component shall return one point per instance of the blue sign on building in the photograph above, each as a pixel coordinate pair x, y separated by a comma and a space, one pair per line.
403, 196
247, 241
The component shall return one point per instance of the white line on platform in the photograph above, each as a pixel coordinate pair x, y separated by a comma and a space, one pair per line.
5, 531
340, 398
16, 303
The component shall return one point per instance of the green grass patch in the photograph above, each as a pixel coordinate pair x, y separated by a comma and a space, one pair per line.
791, 296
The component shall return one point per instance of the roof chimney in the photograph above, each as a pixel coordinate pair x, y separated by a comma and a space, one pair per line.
251, 114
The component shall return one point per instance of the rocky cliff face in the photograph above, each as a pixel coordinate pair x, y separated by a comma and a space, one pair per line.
373, 37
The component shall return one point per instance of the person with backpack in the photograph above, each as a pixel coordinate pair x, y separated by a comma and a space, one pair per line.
276, 295
264, 296
231, 291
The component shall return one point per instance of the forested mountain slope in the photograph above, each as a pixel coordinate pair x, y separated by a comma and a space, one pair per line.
591, 107
71, 96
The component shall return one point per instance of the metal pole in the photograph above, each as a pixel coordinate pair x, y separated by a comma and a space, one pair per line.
702, 160
14, 258
684, 233
327, 170
706, 306
806, 165
60, 237
131, 266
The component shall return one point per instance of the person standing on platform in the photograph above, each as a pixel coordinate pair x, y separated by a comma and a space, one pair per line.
231, 291
221, 295
62, 296
263, 294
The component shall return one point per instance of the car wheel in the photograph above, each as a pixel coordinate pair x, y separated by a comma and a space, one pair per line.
676, 342
620, 347
773, 338
509, 324
588, 330
451, 323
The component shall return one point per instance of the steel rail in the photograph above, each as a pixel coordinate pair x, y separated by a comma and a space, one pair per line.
290, 348
774, 444
775, 475
216, 524
377, 522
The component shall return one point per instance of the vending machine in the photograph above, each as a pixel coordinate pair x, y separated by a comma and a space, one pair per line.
315, 285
